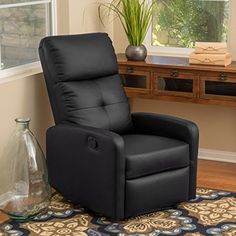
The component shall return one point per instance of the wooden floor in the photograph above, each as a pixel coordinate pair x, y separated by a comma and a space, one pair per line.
217, 175
211, 174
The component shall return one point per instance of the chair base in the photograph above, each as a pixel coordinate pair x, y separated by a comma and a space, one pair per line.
155, 192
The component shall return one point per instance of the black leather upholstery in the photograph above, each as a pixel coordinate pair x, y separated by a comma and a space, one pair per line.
155, 192
149, 154
98, 154
67, 60
88, 174
85, 88
176, 128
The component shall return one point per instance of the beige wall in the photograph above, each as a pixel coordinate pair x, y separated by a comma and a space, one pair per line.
217, 123
28, 96
84, 17
24, 98
63, 16
119, 38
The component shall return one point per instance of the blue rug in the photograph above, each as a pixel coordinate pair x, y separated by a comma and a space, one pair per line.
211, 213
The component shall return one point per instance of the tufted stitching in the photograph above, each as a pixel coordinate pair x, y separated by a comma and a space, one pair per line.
81, 79
103, 101
86, 108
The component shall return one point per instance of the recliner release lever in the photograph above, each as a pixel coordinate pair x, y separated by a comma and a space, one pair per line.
92, 143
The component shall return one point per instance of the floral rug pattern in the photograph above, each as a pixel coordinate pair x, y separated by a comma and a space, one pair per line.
211, 213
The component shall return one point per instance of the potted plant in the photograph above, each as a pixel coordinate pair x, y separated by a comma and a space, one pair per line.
135, 17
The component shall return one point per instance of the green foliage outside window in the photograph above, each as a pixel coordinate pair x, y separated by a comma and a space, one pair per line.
180, 23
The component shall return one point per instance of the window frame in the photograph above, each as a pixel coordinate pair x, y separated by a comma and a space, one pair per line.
184, 52
29, 69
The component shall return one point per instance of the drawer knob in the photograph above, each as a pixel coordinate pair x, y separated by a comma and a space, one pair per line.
223, 77
130, 70
174, 73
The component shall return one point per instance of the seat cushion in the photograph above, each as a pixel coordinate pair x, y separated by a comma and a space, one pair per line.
149, 154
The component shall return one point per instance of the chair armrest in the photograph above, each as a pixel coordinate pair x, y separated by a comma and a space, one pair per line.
168, 126
172, 127
87, 165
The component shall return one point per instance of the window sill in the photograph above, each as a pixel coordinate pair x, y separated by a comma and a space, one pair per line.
20, 72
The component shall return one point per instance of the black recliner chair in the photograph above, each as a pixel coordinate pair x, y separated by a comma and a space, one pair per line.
100, 155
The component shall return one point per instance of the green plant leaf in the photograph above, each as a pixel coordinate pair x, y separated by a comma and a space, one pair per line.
134, 15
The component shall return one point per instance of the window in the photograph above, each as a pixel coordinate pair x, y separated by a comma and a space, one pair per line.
22, 25
178, 24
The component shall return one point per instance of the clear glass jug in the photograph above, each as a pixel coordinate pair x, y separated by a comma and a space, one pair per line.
24, 187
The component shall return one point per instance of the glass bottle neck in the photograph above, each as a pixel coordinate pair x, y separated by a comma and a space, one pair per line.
22, 124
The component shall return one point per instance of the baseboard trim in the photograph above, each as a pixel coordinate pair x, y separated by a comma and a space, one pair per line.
217, 155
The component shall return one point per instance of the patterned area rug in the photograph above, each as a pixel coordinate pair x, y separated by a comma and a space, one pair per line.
211, 213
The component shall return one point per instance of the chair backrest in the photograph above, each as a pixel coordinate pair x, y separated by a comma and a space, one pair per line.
83, 83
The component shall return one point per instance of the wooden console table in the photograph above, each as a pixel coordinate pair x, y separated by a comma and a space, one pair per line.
173, 79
